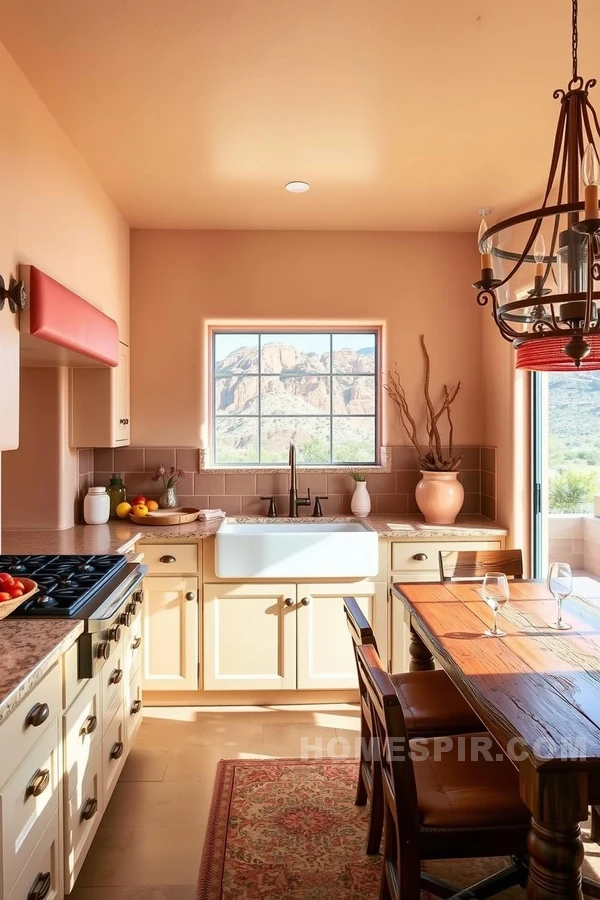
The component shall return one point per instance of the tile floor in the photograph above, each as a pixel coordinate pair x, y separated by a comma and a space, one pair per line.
151, 837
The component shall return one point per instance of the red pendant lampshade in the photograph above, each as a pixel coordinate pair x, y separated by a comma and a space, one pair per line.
547, 355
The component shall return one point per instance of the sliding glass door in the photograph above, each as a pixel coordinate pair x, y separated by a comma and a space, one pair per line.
565, 464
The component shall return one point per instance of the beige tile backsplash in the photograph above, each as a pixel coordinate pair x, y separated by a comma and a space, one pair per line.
239, 493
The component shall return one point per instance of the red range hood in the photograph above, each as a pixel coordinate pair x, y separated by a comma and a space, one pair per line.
59, 328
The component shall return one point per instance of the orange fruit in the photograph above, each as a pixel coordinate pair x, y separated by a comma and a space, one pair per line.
152, 505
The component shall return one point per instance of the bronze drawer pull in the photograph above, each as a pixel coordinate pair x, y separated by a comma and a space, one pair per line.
117, 750
136, 707
420, 557
116, 676
90, 808
136, 644
167, 559
37, 715
40, 887
90, 725
38, 783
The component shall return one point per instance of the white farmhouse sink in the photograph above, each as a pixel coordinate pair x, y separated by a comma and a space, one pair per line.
290, 550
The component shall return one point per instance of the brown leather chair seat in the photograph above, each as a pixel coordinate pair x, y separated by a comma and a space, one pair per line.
432, 705
455, 790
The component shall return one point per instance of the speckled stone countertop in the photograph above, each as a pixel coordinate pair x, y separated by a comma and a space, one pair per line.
121, 537
28, 649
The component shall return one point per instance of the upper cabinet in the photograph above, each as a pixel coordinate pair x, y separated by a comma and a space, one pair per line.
9, 369
100, 409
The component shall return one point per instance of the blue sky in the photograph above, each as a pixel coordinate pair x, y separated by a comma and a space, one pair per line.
307, 343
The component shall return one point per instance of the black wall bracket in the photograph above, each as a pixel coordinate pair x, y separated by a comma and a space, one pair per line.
15, 293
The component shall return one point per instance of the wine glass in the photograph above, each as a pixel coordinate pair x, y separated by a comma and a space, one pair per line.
495, 593
560, 585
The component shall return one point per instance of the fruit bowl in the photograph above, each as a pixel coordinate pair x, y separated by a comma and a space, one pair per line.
178, 516
9, 606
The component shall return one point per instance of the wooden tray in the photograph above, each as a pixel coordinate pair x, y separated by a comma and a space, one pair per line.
177, 516
9, 606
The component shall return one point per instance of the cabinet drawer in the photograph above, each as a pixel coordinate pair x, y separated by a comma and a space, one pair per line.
112, 678
25, 814
82, 817
171, 559
83, 734
113, 754
415, 557
133, 647
72, 683
134, 712
43, 866
30, 720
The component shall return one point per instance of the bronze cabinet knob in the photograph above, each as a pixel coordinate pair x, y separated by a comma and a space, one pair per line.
117, 750
90, 808
420, 557
116, 676
37, 715
38, 783
305, 601
288, 601
136, 707
190, 596
90, 725
40, 887
137, 643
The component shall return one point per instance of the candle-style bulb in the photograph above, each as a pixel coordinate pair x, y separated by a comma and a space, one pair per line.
539, 248
486, 246
590, 166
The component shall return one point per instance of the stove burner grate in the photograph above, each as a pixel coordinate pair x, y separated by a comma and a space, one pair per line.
66, 583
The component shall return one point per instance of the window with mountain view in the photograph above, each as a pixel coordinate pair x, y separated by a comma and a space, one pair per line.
573, 441
317, 388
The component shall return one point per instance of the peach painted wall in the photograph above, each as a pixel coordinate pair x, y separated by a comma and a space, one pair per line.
56, 216
411, 283
506, 426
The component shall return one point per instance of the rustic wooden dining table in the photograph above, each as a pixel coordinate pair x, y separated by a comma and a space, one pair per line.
537, 691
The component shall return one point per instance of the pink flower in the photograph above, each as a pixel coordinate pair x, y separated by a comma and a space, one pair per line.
159, 472
180, 472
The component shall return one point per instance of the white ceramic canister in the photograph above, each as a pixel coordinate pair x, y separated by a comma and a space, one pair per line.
96, 506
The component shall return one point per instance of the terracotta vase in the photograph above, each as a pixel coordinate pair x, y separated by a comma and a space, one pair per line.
361, 502
440, 497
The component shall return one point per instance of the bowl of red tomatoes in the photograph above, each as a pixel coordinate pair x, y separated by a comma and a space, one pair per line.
13, 592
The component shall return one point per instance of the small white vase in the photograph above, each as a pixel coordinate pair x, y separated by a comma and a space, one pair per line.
440, 497
361, 502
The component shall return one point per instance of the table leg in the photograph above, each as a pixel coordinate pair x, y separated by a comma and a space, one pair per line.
556, 855
421, 659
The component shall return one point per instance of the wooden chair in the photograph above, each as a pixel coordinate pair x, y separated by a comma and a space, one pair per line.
457, 564
438, 805
431, 705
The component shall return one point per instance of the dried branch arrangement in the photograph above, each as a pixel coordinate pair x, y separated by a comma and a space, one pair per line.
437, 458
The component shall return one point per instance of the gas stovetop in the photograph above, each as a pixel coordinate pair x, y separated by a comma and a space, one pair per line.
65, 583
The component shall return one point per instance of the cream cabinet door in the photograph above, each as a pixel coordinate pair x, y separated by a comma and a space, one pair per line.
249, 637
325, 650
170, 633
121, 397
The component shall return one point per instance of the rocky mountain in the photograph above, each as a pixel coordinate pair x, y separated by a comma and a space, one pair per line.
295, 385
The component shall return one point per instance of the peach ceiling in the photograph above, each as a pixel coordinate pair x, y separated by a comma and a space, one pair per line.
401, 115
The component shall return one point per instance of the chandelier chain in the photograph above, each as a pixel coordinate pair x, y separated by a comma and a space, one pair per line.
575, 40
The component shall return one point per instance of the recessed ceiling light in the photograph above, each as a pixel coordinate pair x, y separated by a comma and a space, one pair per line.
297, 187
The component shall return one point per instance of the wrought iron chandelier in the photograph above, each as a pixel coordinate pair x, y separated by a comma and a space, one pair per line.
552, 318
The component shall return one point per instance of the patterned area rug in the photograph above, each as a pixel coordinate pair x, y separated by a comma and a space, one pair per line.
288, 829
